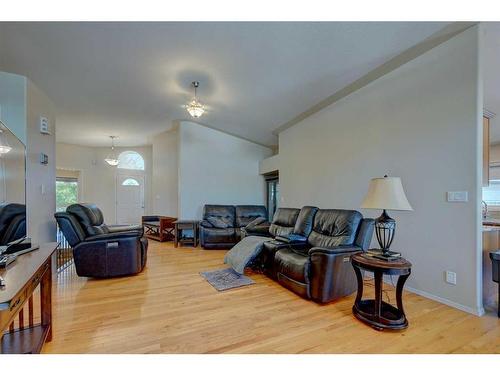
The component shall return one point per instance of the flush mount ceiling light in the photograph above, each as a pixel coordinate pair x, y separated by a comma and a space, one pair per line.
194, 107
4, 145
112, 158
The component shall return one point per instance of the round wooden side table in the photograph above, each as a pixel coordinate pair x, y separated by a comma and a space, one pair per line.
375, 312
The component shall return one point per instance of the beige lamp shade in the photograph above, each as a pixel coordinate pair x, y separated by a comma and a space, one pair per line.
386, 193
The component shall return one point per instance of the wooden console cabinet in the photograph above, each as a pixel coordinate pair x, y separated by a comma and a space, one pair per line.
22, 277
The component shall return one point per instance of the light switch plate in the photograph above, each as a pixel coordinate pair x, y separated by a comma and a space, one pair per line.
457, 196
44, 125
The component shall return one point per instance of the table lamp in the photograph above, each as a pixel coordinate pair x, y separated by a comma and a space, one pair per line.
386, 193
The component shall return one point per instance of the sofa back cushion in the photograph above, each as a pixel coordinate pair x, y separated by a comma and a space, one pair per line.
284, 221
334, 228
305, 220
246, 214
12, 222
90, 218
223, 213
71, 228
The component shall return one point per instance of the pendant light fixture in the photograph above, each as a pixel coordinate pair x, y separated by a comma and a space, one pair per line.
4, 145
194, 107
112, 158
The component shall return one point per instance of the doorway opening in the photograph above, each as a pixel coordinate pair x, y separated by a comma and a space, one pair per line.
272, 192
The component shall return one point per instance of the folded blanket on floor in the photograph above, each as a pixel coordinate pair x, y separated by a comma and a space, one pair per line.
244, 252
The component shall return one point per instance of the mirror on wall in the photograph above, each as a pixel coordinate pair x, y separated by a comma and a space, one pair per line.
12, 187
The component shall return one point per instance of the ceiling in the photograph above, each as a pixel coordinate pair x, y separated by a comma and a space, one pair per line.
133, 79
491, 74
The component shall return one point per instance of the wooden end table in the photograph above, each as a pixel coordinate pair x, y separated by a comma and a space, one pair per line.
375, 312
182, 225
159, 228
22, 277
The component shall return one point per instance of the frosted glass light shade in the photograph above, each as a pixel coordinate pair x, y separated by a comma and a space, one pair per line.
112, 159
386, 193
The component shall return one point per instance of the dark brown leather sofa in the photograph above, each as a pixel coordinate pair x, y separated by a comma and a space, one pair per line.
100, 250
310, 250
221, 225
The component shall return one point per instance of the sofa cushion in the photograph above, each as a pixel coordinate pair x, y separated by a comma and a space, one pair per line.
305, 220
256, 221
293, 265
220, 222
90, 218
219, 235
284, 221
221, 211
246, 214
334, 228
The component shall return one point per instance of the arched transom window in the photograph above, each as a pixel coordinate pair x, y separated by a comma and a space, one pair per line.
130, 182
131, 160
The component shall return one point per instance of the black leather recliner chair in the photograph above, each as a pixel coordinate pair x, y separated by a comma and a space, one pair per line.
221, 225
100, 250
319, 268
12, 222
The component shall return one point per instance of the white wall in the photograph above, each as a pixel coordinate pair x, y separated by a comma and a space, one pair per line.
421, 122
217, 168
21, 105
98, 179
269, 165
165, 173
40, 186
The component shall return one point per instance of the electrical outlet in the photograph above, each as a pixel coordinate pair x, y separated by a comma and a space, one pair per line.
451, 277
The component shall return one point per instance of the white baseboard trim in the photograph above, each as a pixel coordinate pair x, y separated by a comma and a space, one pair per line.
470, 310
467, 309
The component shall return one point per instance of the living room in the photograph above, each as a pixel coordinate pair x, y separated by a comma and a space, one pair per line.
245, 188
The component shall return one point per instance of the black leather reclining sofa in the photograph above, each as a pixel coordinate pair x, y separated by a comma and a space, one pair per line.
100, 250
309, 250
221, 225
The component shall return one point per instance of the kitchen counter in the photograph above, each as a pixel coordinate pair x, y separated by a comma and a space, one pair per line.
491, 224
491, 242
490, 228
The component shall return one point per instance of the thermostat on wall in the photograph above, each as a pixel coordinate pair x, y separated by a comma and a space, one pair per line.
44, 159
44, 125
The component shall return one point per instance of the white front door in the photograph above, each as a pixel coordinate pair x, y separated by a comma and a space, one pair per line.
129, 198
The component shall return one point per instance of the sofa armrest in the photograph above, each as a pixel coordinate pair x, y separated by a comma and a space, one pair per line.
292, 238
332, 275
261, 229
206, 224
334, 250
114, 236
124, 228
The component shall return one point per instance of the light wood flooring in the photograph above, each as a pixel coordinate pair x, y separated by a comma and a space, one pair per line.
170, 308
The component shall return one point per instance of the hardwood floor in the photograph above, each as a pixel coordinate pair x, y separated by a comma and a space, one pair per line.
170, 308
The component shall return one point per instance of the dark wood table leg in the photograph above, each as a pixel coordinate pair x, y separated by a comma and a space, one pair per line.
46, 300
498, 309
378, 294
359, 277
176, 235
399, 292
